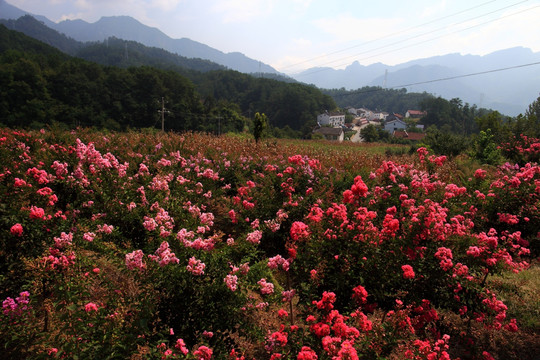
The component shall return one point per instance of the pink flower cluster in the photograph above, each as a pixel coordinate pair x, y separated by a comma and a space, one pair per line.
231, 281
195, 266
91, 307
15, 307
164, 255
203, 353
299, 231
408, 272
63, 241
267, 288
36, 212
135, 260
445, 256
107, 229
277, 261
16, 230
254, 237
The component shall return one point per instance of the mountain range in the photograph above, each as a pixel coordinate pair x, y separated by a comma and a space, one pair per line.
127, 28
474, 79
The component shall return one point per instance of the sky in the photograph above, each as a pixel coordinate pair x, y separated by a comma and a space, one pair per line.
294, 35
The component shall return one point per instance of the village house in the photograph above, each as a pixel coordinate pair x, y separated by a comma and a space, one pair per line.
332, 119
394, 125
378, 116
359, 121
332, 134
352, 111
415, 114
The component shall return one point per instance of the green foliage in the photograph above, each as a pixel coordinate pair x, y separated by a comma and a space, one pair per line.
528, 124
32, 27
259, 126
486, 150
445, 143
451, 116
370, 133
40, 85
122, 53
285, 104
377, 98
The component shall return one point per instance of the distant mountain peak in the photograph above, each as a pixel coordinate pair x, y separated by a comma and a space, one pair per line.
508, 91
128, 28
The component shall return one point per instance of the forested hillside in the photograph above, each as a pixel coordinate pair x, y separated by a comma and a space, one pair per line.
41, 85
377, 98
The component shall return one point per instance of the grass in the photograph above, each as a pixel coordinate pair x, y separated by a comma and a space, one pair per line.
521, 293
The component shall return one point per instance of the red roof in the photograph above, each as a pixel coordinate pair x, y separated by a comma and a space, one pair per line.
416, 112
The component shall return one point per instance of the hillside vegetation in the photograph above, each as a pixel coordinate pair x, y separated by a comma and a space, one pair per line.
41, 85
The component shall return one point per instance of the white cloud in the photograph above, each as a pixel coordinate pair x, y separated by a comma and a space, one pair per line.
346, 28
70, 17
434, 9
234, 11
302, 43
299, 5
165, 5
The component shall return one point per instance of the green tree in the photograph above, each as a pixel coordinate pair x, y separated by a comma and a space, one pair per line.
445, 143
260, 125
369, 133
532, 120
486, 150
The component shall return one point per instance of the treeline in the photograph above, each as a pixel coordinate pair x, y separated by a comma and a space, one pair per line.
288, 105
38, 90
451, 116
453, 128
41, 85
378, 99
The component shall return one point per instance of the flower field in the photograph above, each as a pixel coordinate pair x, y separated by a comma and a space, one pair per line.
165, 246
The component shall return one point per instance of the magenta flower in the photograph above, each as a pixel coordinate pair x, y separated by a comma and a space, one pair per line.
16, 230
231, 281
195, 266
408, 272
181, 346
306, 353
90, 307
266, 287
36, 212
254, 237
134, 260
299, 231
203, 353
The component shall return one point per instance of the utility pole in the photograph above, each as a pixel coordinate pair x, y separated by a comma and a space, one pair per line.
162, 112
219, 124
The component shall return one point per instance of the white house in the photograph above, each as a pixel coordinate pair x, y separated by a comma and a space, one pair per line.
362, 112
394, 125
352, 111
333, 119
415, 114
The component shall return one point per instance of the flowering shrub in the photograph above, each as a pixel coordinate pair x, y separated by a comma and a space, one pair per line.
168, 246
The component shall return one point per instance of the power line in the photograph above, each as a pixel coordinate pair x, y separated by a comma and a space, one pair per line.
389, 35
441, 79
427, 33
424, 41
